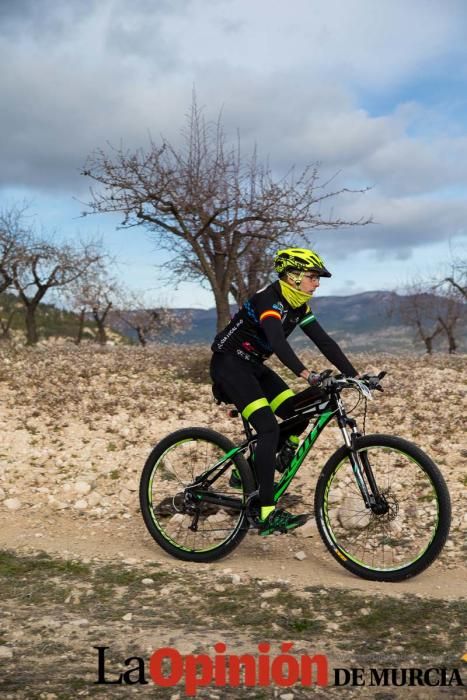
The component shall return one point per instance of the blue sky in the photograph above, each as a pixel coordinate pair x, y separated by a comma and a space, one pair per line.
373, 90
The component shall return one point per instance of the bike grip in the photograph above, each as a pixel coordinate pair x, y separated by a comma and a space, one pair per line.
327, 373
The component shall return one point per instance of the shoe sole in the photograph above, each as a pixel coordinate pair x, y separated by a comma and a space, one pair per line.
283, 531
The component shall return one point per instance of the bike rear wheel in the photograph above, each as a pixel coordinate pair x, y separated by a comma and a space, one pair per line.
406, 538
192, 521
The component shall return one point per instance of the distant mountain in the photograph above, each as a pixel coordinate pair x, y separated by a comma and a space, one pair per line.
360, 321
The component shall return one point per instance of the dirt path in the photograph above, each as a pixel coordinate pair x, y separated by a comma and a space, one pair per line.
114, 541
69, 587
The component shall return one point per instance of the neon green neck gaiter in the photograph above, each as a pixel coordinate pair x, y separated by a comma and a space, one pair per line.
294, 296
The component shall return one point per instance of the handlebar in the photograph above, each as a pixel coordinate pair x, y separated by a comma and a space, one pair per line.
364, 384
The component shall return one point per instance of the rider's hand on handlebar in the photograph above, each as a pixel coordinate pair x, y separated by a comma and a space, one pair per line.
314, 379
318, 379
373, 380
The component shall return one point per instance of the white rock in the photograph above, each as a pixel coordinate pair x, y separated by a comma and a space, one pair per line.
94, 498
216, 518
147, 581
6, 652
300, 555
332, 626
82, 504
80, 622
58, 505
82, 487
286, 696
132, 485
177, 518
127, 617
306, 530
12, 503
352, 514
270, 593
235, 578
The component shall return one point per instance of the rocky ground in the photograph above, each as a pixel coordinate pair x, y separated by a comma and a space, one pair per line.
79, 570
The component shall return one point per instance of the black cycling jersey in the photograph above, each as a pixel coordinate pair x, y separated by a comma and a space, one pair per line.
261, 326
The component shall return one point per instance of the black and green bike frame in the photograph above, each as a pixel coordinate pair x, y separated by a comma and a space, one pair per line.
323, 414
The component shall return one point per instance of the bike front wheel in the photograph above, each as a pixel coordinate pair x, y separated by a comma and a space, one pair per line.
187, 502
408, 532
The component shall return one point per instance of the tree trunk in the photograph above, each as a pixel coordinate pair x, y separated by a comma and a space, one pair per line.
101, 334
79, 337
100, 320
141, 337
31, 327
452, 341
222, 309
449, 330
6, 326
429, 345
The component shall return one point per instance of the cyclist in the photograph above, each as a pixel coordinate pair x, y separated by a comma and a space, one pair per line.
258, 330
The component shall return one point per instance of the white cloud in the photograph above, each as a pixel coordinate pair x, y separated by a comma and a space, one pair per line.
290, 77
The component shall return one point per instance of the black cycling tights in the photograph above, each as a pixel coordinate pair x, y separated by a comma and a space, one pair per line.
244, 382
265, 424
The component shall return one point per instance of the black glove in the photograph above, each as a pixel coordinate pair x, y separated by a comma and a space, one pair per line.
314, 379
373, 380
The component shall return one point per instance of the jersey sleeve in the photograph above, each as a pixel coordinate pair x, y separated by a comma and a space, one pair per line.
326, 344
270, 311
307, 317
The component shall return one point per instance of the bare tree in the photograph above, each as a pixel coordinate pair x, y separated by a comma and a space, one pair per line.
34, 264
419, 309
14, 241
452, 287
94, 294
430, 310
253, 269
452, 313
457, 280
209, 205
46, 267
149, 322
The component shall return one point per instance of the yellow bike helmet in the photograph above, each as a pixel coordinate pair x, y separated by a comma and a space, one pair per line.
300, 259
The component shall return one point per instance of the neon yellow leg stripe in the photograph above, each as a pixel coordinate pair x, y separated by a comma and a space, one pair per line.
280, 398
254, 406
265, 510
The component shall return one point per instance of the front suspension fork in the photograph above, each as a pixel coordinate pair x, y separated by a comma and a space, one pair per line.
360, 464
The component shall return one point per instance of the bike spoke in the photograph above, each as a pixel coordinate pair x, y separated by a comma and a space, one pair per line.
172, 477
392, 539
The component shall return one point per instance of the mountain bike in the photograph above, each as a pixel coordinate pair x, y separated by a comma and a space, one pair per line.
381, 505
